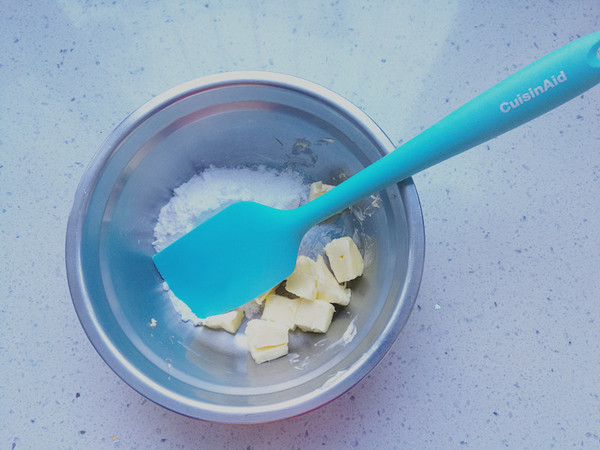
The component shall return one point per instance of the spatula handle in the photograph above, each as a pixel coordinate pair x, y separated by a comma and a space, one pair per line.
530, 92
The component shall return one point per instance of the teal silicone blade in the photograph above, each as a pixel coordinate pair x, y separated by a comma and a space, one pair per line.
231, 258
248, 248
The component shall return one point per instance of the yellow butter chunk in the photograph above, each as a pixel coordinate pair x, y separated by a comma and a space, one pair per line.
314, 315
264, 333
303, 280
313, 280
266, 340
344, 258
328, 288
261, 298
230, 321
264, 354
281, 310
317, 189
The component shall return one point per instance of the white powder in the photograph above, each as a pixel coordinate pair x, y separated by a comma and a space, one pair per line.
209, 192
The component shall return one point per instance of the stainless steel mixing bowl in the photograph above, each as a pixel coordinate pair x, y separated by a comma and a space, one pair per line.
230, 120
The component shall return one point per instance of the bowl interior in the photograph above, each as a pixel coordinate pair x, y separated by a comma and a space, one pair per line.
117, 291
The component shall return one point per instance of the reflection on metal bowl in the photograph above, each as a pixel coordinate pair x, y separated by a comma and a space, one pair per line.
232, 120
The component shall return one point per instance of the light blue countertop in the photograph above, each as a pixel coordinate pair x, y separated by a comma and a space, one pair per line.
503, 346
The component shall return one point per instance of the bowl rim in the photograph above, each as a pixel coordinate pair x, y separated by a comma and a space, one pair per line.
192, 407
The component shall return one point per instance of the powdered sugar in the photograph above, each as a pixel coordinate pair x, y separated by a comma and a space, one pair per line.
207, 193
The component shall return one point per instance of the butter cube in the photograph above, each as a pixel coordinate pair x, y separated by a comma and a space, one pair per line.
303, 280
345, 259
328, 288
261, 355
229, 321
266, 340
281, 310
314, 315
313, 280
317, 189
264, 333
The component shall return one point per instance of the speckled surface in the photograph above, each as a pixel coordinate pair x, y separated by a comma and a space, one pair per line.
502, 349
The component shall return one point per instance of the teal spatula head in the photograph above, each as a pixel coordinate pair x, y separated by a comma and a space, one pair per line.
247, 249
231, 258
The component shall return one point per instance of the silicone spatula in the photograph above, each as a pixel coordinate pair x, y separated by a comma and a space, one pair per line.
248, 248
